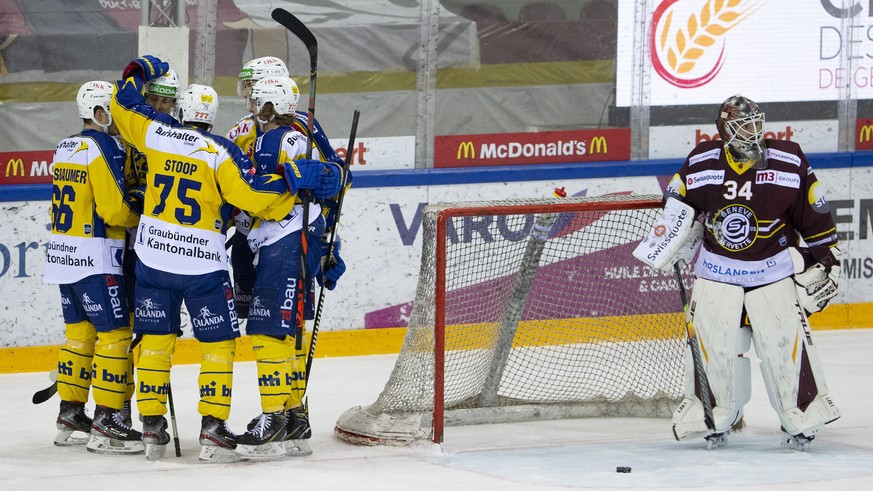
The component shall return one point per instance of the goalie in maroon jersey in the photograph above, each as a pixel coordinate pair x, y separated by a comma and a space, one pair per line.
769, 252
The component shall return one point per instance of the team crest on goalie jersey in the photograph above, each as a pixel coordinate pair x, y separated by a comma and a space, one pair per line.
735, 227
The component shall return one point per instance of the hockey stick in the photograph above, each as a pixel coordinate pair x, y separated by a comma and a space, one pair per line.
293, 24
700, 378
43, 395
173, 420
331, 241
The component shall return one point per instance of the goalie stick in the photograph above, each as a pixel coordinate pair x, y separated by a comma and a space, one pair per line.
700, 378
330, 244
296, 27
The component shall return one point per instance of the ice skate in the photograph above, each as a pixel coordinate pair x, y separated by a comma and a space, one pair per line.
298, 431
297, 424
716, 440
72, 418
796, 442
155, 436
127, 413
264, 440
110, 434
217, 441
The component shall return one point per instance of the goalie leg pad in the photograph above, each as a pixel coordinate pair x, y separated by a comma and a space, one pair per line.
74, 362
789, 362
716, 310
216, 378
275, 371
111, 364
154, 373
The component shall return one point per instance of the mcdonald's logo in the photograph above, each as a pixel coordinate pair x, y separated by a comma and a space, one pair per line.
16, 166
598, 145
865, 133
466, 150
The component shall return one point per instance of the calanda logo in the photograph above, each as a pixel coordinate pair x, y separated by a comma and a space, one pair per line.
688, 38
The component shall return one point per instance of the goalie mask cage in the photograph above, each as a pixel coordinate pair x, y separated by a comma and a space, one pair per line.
527, 310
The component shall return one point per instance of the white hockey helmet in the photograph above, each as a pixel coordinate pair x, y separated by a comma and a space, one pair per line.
254, 70
198, 104
167, 85
281, 91
92, 95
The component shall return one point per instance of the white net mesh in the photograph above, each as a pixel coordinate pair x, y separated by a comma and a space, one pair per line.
546, 313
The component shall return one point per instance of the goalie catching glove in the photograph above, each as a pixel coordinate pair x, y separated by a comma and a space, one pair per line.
675, 237
323, 178
817, 285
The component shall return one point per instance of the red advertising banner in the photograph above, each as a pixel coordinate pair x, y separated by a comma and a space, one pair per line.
26, 167
864, 134
548, 147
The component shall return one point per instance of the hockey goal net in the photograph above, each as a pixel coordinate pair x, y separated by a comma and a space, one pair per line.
531, 309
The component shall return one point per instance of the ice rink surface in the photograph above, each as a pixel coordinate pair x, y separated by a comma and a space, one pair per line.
570, 454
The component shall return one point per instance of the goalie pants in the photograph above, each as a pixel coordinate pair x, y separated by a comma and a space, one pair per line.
789, 362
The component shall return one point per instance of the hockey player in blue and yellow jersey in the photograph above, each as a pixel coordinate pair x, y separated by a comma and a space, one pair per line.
84, 257
244, 133
273, 320
193, 179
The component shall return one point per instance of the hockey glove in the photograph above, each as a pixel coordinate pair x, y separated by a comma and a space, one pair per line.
148, 67
817, 286
322, 178
136, 199
332, 267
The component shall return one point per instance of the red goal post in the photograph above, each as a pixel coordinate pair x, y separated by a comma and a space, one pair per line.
531, 309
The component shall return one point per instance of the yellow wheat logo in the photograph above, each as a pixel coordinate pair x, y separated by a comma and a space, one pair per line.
679, 50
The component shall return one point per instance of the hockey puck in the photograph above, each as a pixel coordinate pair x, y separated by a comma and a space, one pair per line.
623, 470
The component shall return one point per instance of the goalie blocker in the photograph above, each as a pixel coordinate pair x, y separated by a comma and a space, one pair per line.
675, 237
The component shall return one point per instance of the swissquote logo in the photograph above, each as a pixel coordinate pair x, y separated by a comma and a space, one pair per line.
687, 40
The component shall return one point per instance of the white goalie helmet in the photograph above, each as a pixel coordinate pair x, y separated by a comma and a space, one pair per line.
282, 92
198, 104
167, 85
259, 68
740, 124
92, 95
